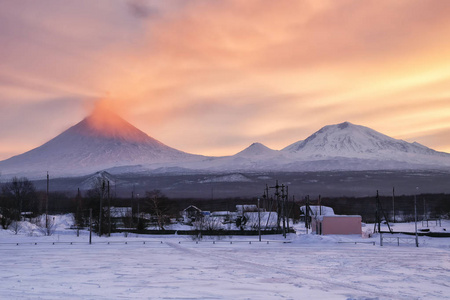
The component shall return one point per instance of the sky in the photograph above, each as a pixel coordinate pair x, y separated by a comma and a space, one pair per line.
212, 77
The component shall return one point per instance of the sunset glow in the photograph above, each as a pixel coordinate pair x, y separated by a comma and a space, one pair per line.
212, 77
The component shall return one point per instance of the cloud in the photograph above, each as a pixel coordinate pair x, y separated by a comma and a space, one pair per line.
29, 125
214, 76
141, 9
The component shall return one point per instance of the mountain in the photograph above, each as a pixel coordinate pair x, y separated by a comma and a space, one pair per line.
349, 146
256, 150
100, 141
256, 157
105, 142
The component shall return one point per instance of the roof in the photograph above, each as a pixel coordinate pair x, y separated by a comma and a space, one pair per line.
192, 207
318, 210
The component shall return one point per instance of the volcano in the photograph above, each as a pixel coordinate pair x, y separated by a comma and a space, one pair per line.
102, 140
105, 141
347, 146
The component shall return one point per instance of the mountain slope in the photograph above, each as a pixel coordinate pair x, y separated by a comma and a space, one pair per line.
256, 150
365, 146
256, 157
102, 140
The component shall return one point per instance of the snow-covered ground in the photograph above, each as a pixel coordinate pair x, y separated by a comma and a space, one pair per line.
302, 266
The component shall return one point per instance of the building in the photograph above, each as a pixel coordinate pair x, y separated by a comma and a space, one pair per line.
324, 221
191, 213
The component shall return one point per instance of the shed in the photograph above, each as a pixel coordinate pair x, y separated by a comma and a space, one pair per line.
337, 224
324, 221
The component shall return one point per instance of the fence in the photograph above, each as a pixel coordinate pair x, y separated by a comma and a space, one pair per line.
432, 220
398, 240
147, 242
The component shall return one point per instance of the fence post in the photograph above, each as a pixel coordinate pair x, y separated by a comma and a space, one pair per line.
381, 239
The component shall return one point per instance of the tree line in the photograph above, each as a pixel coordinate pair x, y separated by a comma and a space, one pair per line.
97, 206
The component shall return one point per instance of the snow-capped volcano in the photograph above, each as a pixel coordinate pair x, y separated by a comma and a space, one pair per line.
350, 141
102, 140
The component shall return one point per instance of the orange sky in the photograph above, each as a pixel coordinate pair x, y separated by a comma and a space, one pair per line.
212, 77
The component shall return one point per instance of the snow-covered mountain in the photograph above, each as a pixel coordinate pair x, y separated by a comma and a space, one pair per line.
256, 157
104, 141
100, 141
359, 147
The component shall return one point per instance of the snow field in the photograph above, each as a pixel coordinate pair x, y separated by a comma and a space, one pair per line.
302, 266
177, 267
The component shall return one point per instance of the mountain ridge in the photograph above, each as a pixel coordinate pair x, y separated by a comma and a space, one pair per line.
105, 141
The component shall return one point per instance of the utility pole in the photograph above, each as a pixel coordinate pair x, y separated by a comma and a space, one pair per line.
46, 207
132, 215
393, 203
90, 226
425, 217
288, 211
283, 209
377, 215
415, 217
269, 203
259, 221
379, 210
279, 206
109, 212
100, 215
320, 207
78, 212
139, 217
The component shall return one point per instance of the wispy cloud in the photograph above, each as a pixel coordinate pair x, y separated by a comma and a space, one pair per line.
210, 77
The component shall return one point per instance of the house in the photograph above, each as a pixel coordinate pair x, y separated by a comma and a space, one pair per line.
191, 213
325, 221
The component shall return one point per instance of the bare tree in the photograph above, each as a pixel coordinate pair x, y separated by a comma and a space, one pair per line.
7, 211
22, 194
156, 203
208, 223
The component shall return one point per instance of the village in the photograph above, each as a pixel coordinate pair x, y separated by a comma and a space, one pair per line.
245, 220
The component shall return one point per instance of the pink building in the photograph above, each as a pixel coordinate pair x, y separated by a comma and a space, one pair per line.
324, 221
336, 225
